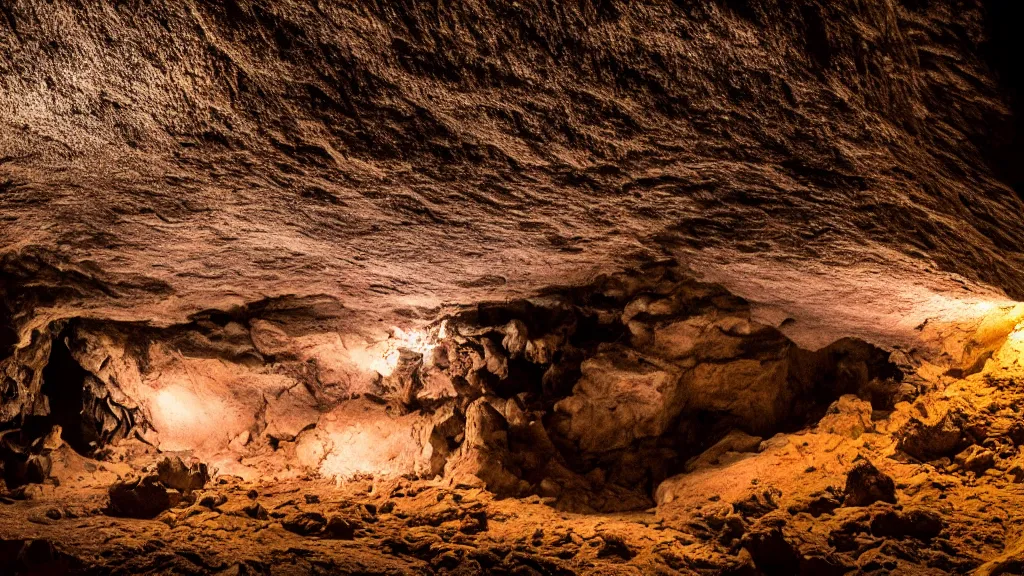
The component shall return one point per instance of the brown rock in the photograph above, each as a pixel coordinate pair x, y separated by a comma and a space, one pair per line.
173, 473
212, 501
771, 551
305, 523
848, 416
917, 523
735, 441
256, 511
866, 485
927, 441
473, 522
340, 528
515, 339
1016, 473
141, 498
614, 546
975, 459
621, 397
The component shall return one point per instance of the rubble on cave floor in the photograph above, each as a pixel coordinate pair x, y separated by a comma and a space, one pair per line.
645, 426
828, 499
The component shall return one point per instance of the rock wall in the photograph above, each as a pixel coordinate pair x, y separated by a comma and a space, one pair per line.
592, 396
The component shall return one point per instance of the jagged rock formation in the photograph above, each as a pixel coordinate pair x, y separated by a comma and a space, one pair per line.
592, 396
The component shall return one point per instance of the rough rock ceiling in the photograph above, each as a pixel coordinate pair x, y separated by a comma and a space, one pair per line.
841, 163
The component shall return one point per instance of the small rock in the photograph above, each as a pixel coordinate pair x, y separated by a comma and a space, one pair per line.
256, 511
515, 338
474, 522
827, 564
865, 485
238, 442
1016, 473
614, 546
340, 528
141, 498
917, 523
771, 551
173, 473
312, 499
976, 459
848, 416
305, 523
39, 466
927, 442
212, 500
52, 441
758, 504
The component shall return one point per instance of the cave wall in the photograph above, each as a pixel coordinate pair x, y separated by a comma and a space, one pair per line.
592, 395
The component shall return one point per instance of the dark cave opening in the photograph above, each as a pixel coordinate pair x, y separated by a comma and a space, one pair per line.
64, 385
8, 334
847, 367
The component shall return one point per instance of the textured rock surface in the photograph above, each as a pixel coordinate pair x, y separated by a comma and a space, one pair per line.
812, 502
469, 288
839, 162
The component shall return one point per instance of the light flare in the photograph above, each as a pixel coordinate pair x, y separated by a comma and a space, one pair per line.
420, 341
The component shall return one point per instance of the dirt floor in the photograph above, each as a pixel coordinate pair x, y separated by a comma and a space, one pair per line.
803, 503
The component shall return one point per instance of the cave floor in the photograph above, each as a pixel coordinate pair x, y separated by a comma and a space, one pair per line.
782, 508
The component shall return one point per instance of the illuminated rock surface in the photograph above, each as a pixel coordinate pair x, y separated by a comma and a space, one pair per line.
510, 287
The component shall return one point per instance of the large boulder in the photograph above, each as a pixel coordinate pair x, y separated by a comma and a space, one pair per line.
621, 396
143, 497
173, 473
933, 434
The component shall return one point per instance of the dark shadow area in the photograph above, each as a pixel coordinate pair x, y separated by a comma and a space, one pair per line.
1005, 147
8, 335
64, 387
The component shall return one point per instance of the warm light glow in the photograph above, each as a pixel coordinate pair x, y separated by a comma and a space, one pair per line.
1010, 358
185, 420
1017, 336
421, 341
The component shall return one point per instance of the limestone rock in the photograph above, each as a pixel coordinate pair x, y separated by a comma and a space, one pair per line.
754, 392
173, 473
620, 397
305, 523
516, 338
848, 416
256, 511
484, 455
212, 500
340, 528
771, 551
932, 437
866, 485
495, 358
914, 523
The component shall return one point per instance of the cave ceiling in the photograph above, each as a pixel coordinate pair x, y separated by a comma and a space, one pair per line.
845, 166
